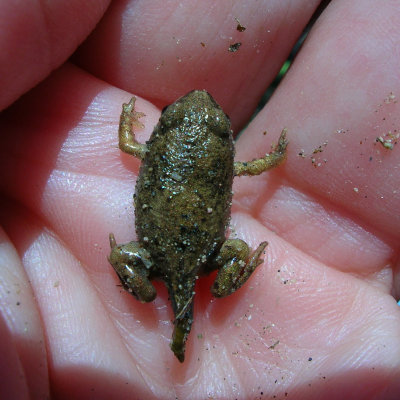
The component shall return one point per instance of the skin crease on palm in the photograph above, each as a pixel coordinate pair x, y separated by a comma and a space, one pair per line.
319, 318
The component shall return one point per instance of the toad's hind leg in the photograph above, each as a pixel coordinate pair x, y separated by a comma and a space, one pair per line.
133, 265
270, 160
129, 119
235, 266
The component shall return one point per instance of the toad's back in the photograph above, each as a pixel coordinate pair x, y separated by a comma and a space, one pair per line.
183, 193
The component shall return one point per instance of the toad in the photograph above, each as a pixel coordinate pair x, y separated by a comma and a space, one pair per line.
182, 207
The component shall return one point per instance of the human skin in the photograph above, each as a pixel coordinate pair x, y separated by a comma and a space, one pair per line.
319, 318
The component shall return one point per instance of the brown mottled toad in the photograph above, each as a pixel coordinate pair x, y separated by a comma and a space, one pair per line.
182, 207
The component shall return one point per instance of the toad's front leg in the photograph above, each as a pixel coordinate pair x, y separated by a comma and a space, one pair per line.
132, 264
269, 161
235, 266
129, 119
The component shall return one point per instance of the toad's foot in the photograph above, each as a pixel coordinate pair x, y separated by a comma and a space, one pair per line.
132, 265
235, 266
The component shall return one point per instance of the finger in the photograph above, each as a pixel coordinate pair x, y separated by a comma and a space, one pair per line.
162, 51
37, 37
344, 204
24, 359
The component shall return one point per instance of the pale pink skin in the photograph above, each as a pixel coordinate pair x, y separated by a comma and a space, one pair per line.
319, 318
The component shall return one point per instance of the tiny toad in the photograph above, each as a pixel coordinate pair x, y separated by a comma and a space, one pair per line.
182, 207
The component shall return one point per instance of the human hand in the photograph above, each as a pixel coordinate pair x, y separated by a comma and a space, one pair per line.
318, 318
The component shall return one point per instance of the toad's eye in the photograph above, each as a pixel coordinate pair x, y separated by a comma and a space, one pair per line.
218, 123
